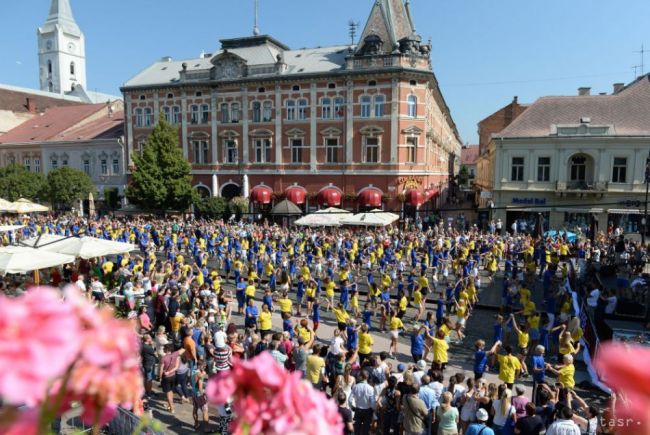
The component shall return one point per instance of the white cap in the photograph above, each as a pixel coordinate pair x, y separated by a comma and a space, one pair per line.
220, 340
482, 415
422, 364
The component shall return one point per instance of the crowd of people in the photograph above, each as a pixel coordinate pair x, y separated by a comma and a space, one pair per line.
203, 294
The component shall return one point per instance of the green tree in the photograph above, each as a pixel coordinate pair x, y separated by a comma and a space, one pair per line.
161, 179
66, 186
17, 182
214, 208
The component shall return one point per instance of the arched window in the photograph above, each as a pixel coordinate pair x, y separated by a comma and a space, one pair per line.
72, 68
412, 103
194, 114
49, 67
339, 111
267, 114
326, 107
302, 109
365, 106
291, 110
257, 111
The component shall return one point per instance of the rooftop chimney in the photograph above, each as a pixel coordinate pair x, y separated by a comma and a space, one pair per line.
31, 106
584, 91
166, 59
515, 99
618, 87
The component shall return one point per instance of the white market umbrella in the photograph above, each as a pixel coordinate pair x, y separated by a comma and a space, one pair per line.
334, 213
83, 247
318, 220
21, 259
392, 217
367, 220
23, 205
6, 205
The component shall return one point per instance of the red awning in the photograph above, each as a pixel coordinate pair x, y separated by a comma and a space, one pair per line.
296, 194
370, 198
329, 197
431, 193
262, 194
415, 198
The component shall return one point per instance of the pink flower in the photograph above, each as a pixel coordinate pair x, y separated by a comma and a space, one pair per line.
26, 423
270, 400
40, 336
625, 369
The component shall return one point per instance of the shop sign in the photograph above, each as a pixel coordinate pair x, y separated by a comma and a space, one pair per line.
529, 201
409, 182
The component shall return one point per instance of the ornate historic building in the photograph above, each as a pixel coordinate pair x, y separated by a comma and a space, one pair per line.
353, 126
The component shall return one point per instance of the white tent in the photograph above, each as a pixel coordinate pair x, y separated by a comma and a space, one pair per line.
5, 228
318, 220
20, 259
5, 205
83, 247
392, 217
23, 205
369, 219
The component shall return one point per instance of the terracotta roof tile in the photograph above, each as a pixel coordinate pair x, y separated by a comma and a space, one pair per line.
50, 124
16, 101
469, 154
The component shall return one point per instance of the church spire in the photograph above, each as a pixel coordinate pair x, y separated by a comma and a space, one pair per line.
389, 21
61, 14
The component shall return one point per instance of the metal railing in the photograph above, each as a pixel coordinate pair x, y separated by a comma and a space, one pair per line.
126, 422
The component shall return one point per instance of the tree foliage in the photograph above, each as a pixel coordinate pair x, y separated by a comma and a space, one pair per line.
66, 186
212, 208
161, 178
17, 182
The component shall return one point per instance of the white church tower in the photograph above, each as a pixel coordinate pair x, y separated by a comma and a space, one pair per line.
61, 51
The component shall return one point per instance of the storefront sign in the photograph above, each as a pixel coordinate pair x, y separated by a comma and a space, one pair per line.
485, 194
410, 182
529, 201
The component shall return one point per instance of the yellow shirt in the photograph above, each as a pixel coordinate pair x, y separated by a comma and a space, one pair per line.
265, 321
329, 289
508, 366
285, 305
403, 303
354, 301
566, 376
523, 338
365, 343
315, 365
250, 291
445, 329
304, 333
417, 297
396, 323
341, 315
440, 348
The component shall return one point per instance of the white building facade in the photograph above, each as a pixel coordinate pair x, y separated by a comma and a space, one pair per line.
571, 160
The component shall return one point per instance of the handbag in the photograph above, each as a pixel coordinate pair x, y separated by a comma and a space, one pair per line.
509, 425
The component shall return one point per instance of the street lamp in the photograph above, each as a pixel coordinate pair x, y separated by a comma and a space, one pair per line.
645, 211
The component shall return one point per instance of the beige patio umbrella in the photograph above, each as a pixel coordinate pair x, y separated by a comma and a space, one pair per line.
5, 205
23, 205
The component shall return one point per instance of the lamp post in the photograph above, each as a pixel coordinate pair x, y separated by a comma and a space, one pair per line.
644, 221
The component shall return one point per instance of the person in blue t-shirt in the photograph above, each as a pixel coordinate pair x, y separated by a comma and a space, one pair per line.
539, 370
481, 357
417, 341
367, 314
251, 315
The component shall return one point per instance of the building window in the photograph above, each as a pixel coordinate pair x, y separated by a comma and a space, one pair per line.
578, 168
331, 85
167, 114
295, 88
291, 110
619, 170
339, 110
543, 169
296, 150
176, 115
225, 113
55, 163
37, 165
103, 164
379, 105
148, 117
326, 108
28, 164
86, 164
517, 169
71, 68
371, 150
201, 151
194, 114
411, 149
230, 151
116, 166
234, 113
257, 111
139, 120
365, 106
302, 109
49, 67
267, 113
205, 113
332, 150
262, 150
64, 161
412, 104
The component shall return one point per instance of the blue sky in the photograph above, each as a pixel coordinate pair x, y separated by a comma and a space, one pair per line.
484, 52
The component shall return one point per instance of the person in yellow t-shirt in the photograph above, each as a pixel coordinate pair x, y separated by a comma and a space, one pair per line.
264, 320
509, 367
329, 293
395, 326
342, 316
418, 300
250, 290
440, 348
564, 372
403, 303
285, 304
365, 344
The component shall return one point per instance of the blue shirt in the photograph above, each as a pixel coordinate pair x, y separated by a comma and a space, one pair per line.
475, 428
538, 363
428, 397
480, 361
417, 344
